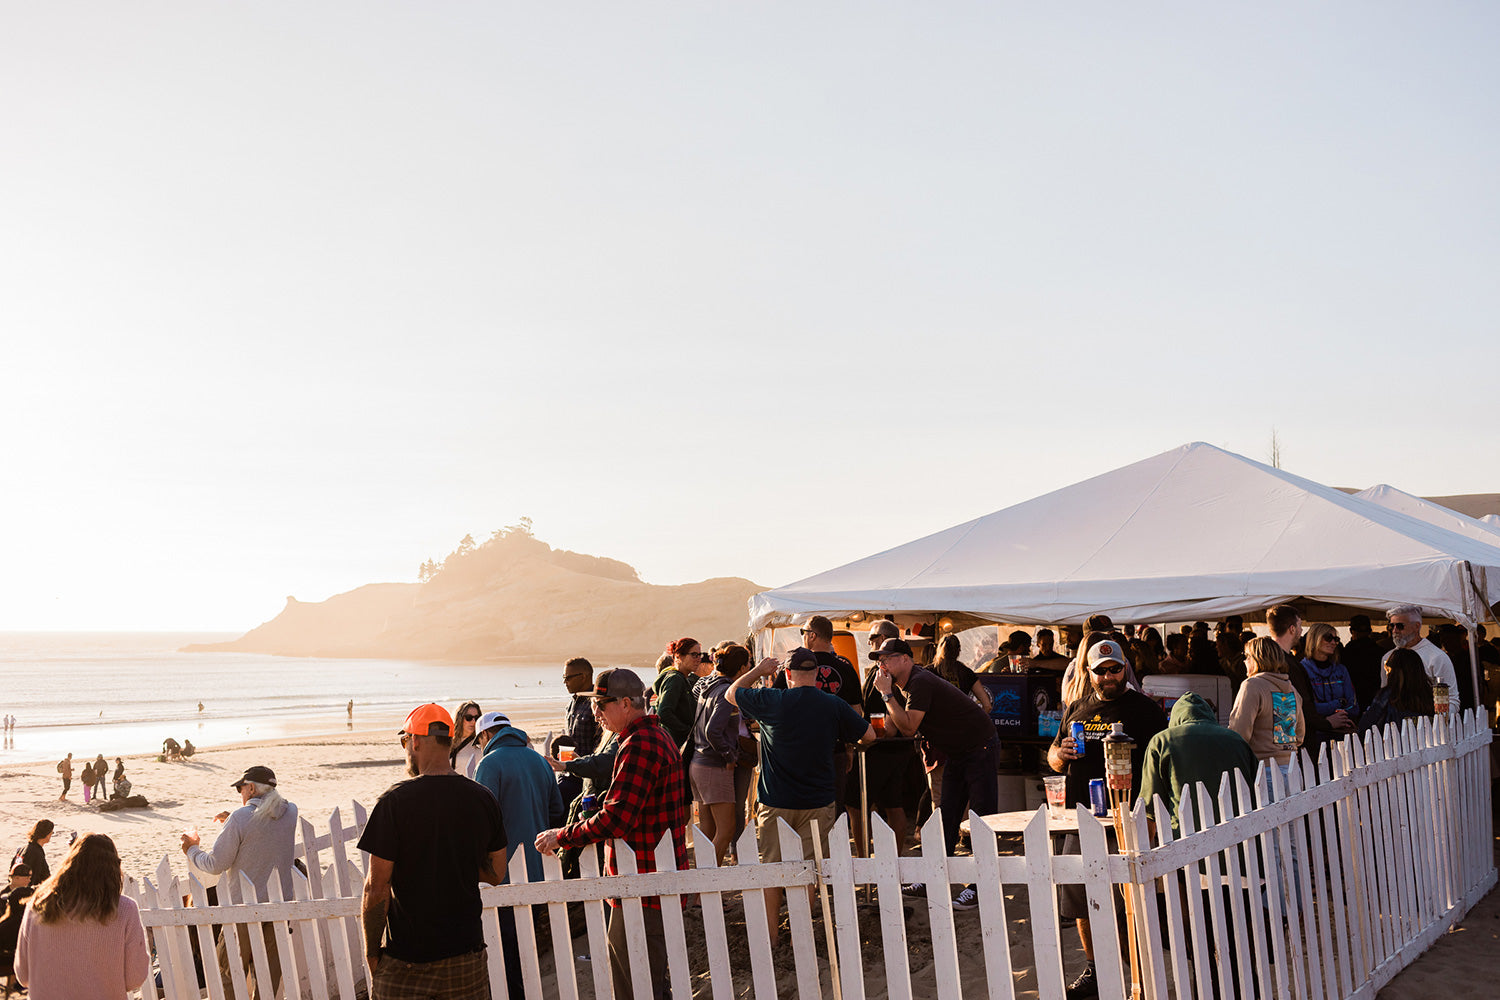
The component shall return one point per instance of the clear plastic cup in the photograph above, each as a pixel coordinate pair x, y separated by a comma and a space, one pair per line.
1057, 795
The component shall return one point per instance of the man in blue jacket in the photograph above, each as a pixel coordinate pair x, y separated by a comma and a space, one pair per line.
521, 781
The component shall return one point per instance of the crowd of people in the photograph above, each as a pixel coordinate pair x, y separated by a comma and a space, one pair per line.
92, 778
715, 730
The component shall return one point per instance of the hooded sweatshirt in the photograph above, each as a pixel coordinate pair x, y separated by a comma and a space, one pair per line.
523, 783
1193, 748
1268, 713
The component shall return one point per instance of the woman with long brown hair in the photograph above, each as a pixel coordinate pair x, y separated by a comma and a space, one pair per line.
81, 939
464, 753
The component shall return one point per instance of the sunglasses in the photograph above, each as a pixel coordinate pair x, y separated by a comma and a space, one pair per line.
601, 702
1399, 626
405, 739
1107, 669
471, 718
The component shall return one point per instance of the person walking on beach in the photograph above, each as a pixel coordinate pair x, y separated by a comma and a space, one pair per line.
424, 935
87, 780
65, 768
81, 937
647, 798
258, 842
101, 772
799, 729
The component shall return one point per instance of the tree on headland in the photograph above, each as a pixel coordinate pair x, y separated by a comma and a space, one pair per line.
470, 563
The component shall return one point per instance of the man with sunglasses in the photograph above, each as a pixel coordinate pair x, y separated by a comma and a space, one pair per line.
1110, 700
1406, 632
647, 797
421, 908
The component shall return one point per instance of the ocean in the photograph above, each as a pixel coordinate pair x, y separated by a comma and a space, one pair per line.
125, 692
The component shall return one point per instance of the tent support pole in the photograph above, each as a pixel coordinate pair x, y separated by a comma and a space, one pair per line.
1475, 666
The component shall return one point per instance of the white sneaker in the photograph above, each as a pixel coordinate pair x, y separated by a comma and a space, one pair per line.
966, 900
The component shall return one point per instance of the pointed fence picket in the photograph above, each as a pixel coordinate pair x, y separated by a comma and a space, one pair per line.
1322, 883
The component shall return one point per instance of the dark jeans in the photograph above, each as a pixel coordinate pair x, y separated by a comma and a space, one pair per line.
970, 781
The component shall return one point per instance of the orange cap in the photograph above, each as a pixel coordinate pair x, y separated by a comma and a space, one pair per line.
428, 720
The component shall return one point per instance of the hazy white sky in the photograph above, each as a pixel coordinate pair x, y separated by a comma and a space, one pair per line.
295, 295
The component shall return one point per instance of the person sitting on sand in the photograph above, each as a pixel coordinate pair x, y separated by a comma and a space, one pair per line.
171, 749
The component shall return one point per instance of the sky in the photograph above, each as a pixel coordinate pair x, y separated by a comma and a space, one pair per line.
293, 296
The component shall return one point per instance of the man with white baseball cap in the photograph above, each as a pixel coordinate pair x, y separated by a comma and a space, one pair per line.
1110, 699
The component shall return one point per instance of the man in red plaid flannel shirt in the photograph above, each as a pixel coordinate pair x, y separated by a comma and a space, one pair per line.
646, 798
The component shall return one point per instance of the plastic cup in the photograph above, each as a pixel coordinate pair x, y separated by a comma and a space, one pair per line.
566, 754
878, 721
1057, 796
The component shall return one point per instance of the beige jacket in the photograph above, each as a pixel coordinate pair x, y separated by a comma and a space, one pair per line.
1254, 717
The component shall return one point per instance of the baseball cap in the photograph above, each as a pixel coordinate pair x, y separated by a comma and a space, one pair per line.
1107, 651
891, 647
618, 682
802, 658
490, 720
20, 868
260, 774
1098, 623
428, 720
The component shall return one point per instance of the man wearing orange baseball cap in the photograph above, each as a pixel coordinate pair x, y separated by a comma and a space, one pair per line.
422, 891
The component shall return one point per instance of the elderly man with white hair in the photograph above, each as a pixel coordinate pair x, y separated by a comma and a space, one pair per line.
1406, 632
257, 841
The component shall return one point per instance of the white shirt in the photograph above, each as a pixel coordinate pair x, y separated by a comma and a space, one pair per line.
1439, 667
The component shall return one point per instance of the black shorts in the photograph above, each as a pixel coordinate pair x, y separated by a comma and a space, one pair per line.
893, 776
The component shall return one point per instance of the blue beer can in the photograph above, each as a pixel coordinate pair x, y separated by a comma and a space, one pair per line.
1098, 801
1078, 737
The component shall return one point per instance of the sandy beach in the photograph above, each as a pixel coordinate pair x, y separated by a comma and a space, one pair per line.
317, 772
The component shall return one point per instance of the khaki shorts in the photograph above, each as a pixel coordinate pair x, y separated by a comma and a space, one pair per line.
800, 820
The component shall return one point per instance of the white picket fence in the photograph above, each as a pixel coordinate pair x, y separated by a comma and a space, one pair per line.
1391, 838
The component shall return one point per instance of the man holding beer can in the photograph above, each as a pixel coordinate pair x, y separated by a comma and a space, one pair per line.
1078, 753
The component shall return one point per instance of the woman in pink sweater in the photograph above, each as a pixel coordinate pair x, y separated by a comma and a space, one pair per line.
81, 939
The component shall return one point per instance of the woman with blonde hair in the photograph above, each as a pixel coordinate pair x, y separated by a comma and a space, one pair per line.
81, 939
1267, 711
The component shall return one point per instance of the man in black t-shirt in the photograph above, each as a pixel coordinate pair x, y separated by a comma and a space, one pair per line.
422, 888
952, 724
1111, 700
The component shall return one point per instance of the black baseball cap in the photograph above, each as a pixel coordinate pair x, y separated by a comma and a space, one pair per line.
891, 647
259, 774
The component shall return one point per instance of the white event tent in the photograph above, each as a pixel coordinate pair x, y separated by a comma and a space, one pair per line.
1486, 529
1194, 533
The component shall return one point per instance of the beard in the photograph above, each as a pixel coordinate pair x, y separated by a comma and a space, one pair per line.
1110, 688
411, 765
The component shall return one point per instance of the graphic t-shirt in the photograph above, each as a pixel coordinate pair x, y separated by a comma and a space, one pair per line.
1143, 719
438, 830
1284, 720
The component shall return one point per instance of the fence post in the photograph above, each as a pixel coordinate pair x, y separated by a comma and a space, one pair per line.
993, 933
840, 878
887, 865
1046, 937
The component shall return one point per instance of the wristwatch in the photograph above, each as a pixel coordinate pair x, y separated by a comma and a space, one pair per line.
888, 696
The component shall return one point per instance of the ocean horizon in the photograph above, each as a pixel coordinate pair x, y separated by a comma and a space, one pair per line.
120, 693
